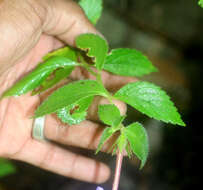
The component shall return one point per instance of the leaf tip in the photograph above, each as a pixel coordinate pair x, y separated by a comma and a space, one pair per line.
181, 123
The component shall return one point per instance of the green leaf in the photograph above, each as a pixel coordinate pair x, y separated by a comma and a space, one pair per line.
150, 100
67, 52
138, 139
36, 77
107, 133
59, 74
201, 3
128, 62
6, 168
92, 9
110, 115
75, 113
53, 79
70, 94
122, 142
96, 46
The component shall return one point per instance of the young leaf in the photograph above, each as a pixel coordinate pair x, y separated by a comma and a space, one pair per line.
107, 133
6, 168
122, 142
110, 115
92, 9
70, 94
150, 100
36, 77
96, 46
128, 62
79, 112
137, 137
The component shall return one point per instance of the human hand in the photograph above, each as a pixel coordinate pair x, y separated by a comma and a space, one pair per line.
30, 29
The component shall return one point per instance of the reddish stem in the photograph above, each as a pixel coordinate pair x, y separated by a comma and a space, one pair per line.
119, 160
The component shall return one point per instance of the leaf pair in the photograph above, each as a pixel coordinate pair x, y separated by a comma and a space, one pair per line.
133, 136
124, 62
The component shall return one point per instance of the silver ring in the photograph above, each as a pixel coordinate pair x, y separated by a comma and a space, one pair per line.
38, 129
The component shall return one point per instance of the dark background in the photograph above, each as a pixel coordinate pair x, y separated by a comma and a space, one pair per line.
170, 33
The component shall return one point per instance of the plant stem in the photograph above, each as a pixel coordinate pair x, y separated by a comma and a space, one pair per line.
119, 160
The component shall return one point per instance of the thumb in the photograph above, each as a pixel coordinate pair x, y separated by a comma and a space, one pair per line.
23, 22
66, 20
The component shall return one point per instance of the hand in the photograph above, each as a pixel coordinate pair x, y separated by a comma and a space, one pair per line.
30, 29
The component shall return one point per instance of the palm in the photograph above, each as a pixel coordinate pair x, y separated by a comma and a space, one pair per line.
15, 112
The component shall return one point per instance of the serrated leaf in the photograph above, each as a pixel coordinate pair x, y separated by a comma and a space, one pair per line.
110, 115
36, 77
150, 100
6, 168
107, 133
70, 94
128, 62
75, 113
138, 139
92, 9
96, 46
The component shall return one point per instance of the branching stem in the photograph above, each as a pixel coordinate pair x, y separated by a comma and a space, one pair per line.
119, 160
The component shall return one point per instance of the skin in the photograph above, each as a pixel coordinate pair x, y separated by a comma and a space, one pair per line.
28, 30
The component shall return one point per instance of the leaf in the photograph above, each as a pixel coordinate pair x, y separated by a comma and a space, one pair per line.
128, 62
122, 142
67, 52
96, 46
107, 133
70, 94
36, 77
110, 115
150, 100
6, 168
92, 9
56, 77
59, 74
79, 112
201, 3
138, 139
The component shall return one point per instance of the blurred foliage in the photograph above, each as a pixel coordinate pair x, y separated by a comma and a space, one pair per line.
201, 3
6, 168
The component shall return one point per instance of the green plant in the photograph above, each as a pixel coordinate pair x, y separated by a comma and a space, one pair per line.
201, 3
6, 168
72, 107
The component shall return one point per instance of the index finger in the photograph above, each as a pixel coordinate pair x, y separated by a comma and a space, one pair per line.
66, 20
